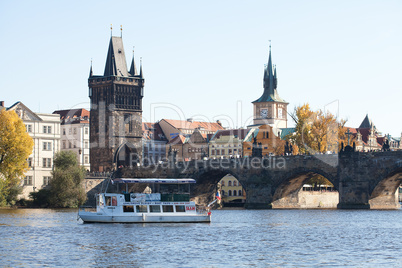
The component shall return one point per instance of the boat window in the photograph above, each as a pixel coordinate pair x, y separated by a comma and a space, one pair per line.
128, 208
180, 208
154, 208
167, 208
114, 201
141, 208
99, 200
108, 200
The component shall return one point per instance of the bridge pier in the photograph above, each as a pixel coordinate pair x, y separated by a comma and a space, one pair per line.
258, 196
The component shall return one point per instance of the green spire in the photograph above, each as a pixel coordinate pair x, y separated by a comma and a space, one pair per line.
270, 82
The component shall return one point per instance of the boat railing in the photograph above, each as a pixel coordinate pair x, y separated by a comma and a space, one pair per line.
203, 210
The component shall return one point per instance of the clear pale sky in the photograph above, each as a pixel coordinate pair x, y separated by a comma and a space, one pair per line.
205, 59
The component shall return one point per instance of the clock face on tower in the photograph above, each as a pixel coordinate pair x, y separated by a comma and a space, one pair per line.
264, 113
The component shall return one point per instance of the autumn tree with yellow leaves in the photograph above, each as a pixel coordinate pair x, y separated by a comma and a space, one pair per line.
318, 132
15, 147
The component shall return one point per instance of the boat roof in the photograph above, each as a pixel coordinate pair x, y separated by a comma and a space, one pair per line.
153, 180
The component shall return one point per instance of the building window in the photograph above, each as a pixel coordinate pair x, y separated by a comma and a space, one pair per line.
64, 131
47, 129
29, 128
234, 183
46, 180
64, 144
86, 130
86, 159
69, 130
75, 146
229, 183
212, 152
75, 130
223, 193
69, 144
223, 183
29, 160
230, 193
47, 162
240, 193
47, 146
28, 181
234, 193
86, 145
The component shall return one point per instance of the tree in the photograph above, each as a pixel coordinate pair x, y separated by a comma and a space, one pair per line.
318, 132
65, 187
15, 147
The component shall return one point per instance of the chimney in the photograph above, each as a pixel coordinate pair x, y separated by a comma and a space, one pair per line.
1, 103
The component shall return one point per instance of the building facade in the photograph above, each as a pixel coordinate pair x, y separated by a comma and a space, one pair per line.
74, 131
264, 138
270, 108
227, 143
44, 129
231, 190
153, 142
189, 147
116, 111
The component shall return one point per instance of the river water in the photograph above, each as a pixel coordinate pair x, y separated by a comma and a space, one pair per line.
234, 238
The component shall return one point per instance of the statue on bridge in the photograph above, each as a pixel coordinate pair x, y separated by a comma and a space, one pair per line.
385, 146
288, 148
256, 150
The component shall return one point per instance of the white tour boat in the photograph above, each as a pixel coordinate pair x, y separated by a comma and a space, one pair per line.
168, 201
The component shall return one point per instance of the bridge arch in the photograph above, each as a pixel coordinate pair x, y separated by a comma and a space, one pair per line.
207, 181
383, 194
288, 190
125, 155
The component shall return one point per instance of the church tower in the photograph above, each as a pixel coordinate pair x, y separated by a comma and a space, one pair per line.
270, 108
116, 111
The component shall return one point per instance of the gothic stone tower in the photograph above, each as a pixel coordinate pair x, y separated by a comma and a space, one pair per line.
116, 111
270, 108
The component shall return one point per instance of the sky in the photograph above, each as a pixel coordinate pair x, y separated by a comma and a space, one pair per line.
205, 59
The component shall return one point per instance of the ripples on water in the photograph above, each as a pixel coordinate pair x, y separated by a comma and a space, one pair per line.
235, 238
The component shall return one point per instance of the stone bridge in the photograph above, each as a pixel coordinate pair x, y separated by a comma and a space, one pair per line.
363, 180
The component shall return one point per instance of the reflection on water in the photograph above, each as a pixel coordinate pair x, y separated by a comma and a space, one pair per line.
259, 238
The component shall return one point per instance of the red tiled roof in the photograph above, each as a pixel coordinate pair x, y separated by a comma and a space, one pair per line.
240, 133
181, 124
152, 131
179, 139
73, 116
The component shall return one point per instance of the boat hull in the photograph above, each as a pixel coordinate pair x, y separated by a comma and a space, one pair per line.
92, 217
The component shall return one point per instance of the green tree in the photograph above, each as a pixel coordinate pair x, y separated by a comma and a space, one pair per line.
66, 189
15, 147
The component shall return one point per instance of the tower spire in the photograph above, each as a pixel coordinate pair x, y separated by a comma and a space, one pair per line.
121, 31
133, 68
270, 81
90, 70
111, 30
141, 74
